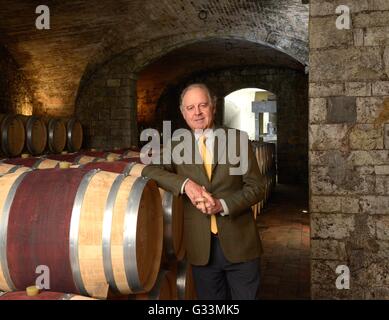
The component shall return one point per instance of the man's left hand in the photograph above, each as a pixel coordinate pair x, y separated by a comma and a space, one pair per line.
208, 204
214, 209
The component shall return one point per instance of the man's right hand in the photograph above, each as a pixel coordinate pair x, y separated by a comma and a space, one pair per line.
195, 193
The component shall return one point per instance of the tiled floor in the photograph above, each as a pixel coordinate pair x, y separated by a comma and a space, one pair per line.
284, 230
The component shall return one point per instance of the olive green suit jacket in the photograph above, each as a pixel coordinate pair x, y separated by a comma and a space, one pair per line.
237, 231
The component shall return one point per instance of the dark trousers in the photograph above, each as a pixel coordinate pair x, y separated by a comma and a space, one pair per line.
222, 280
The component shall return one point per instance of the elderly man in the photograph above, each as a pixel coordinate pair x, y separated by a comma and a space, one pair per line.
221, 238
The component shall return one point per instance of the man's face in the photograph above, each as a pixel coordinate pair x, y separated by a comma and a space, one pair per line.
197, 109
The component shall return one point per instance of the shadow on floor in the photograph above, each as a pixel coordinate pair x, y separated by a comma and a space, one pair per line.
285, 233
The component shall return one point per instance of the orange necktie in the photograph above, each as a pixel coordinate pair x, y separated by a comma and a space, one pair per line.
207, 161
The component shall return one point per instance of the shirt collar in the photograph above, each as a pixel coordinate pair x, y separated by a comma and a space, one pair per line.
207, 132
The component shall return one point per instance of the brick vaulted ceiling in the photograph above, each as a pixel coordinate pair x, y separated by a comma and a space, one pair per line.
87, 33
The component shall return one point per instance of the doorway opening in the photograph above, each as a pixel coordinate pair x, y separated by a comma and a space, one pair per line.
281, 219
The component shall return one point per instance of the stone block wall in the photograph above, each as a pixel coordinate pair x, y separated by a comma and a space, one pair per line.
15, 94
349, 149
106, 106
291, 89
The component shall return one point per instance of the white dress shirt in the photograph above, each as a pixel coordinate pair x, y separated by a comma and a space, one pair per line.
209, 143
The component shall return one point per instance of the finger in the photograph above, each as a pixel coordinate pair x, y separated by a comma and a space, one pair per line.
210, 211
200, 199
208, 205
202, 207
209, 198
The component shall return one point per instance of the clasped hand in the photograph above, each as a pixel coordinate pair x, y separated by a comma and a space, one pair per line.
202, 199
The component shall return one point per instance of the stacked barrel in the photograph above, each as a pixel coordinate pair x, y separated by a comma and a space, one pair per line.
101, 229
34, 135
265, 154
44, 295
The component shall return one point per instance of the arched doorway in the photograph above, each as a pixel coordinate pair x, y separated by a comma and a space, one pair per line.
253, 110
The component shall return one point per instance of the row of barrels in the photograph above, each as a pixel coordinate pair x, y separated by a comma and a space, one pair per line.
171, 265
173, 283
265, 154
36, 135
44, 295
96, 230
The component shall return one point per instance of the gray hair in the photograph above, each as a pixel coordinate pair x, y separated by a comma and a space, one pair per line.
211, 97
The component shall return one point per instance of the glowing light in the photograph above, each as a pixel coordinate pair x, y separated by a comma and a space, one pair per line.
24, 107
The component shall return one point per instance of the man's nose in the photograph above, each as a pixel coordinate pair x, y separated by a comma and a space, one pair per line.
198, 110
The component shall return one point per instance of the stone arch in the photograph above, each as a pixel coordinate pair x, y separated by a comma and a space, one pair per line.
113, 86
133, 60
274, 58
115, 44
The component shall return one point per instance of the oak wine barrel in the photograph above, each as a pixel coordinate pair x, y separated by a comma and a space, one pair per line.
36, 134
135, 169
165, 287
265, 154
74, 134
173, 227
44, 295
56, 135
89, 227
172, 207
12, 135
175, 282
127, 168
185, 283
83, 159
6, 168
68, 157
36, 162
76, 158
110, 156
114, 166
130, 154
122, 166
26, 162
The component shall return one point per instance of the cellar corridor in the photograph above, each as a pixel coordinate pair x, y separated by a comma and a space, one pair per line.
284, 230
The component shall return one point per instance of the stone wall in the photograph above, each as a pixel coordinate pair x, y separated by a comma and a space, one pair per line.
349, 149
106, 106
15, 94
291, 89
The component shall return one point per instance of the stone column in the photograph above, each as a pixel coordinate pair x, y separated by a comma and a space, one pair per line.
123, 114
349, 160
